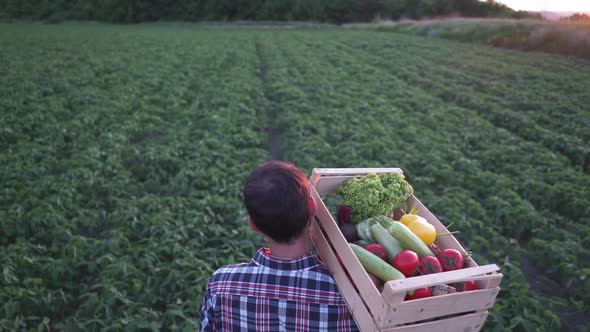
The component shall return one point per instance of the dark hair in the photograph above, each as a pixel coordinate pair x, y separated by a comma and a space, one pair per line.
276, 195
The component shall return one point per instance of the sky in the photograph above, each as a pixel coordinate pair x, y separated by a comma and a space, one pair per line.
549, 5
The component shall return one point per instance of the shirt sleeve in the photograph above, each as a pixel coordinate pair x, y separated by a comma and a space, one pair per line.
207, 313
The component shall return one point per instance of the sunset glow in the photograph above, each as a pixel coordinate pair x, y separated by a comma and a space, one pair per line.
549, 5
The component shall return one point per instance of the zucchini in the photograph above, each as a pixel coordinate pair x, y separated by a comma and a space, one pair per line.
409, 240
363, 228
383, 220
364, 233
389, 243
362, 243
376, 265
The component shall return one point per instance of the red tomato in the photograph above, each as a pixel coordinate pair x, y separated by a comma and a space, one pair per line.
406, 262
419, 294
451, 259
378, 250
470, 285
428, 265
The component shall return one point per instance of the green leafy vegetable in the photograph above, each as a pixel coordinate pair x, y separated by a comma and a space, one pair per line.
374, 194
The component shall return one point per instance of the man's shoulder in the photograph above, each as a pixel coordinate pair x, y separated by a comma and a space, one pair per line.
227, 271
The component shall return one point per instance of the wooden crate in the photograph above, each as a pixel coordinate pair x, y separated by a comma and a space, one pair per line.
386, 310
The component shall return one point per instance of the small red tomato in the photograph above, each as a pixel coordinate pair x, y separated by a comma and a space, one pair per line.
451, 259
377, 249
465, 286
406, 262
428, 265
418, 294
470, 285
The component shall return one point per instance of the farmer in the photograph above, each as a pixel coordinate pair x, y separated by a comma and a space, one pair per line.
285, 287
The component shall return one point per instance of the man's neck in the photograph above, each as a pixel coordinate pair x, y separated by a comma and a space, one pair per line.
299, 248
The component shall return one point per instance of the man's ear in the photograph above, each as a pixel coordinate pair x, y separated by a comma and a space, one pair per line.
252, 225
313, 207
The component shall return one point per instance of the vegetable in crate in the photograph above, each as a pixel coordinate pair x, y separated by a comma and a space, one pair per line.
398, 213
424, 230
374, 195
376, 265
406, 262
451, 259
344, 213
362, 243
332, 203
364, 227
428, 265
465, 286
419, 293
382, 220
349, 232
377, 250
411, 216
389, 243
409, 240
364, 231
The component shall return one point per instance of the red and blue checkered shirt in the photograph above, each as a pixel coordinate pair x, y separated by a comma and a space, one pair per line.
274, 295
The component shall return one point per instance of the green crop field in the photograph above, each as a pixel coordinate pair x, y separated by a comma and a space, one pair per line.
123, 150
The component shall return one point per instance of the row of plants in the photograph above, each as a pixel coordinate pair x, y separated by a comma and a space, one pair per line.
363, 109
122, 163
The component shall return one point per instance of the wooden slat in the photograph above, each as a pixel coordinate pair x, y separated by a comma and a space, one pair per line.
359, 277
328, 185
464, 323
354, 171
442, 305
490, 283
470, 273
357, 308
314, 178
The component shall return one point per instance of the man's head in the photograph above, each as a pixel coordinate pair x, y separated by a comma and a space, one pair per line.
278, 200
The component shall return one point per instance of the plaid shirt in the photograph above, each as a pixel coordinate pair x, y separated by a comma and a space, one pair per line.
273, 295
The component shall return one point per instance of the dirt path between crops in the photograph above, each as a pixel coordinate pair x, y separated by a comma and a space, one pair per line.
274, 135
571, 318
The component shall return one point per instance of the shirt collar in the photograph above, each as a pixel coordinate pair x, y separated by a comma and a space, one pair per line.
305, 262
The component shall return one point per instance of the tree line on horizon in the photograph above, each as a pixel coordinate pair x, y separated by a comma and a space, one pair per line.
331, 11
577, 18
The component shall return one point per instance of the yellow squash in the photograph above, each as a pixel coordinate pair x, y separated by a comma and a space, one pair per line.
423, 230
407, 218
